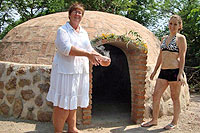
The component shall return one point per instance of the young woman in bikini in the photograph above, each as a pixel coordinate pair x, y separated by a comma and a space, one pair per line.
171, 60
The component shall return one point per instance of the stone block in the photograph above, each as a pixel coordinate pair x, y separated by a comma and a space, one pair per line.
2, 69
11, 84
4, 109
10, 98
1, 95
1, 85
21, 71
44, 87
44, 116
39, 100
10, 69
17, 108
24, 82
27, 94
36, 78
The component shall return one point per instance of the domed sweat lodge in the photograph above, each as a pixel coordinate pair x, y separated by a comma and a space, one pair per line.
121, 89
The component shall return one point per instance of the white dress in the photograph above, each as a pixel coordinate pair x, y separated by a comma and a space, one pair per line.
69, 82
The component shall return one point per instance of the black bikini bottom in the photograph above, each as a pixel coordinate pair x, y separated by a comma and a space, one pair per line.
169, 74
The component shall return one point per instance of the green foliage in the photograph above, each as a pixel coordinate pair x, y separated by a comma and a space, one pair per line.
53, 6
130, 38
27, 9
111, 6
144, 12
191, 23
5, 14
31, 8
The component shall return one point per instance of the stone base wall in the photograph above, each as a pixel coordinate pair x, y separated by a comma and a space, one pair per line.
23, 91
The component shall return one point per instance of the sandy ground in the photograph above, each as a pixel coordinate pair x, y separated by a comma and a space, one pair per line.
189, 122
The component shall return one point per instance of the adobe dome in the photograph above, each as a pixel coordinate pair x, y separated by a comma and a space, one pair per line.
33, 41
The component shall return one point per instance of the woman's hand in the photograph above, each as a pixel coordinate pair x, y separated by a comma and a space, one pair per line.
181, 79
103, 60
152, 75
92, 57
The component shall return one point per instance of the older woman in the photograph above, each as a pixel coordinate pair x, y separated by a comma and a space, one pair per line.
172, 60
69, 84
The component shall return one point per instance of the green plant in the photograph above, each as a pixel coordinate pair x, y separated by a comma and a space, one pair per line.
130, 38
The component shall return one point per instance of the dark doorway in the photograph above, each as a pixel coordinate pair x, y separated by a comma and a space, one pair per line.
111, 92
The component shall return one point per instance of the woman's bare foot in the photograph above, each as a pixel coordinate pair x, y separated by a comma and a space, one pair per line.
170, 126
75, 130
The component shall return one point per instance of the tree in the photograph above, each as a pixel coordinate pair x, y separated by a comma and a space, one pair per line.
110, 6
5, 14
191, 29
143, 11
32, 8
27, 9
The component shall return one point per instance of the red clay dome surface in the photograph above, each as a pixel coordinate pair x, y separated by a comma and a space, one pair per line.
33, 41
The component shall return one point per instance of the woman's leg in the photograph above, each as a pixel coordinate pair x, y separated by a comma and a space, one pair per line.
59, 117
160, 87
175, 88
71, 120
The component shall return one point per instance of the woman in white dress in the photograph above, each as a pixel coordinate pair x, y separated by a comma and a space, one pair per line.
69, 84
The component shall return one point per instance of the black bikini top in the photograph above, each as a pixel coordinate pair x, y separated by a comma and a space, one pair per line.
172, 47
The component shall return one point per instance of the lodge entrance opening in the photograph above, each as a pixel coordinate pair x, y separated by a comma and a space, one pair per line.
111, 91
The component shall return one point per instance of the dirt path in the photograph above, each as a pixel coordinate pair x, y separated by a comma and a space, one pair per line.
189, 122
